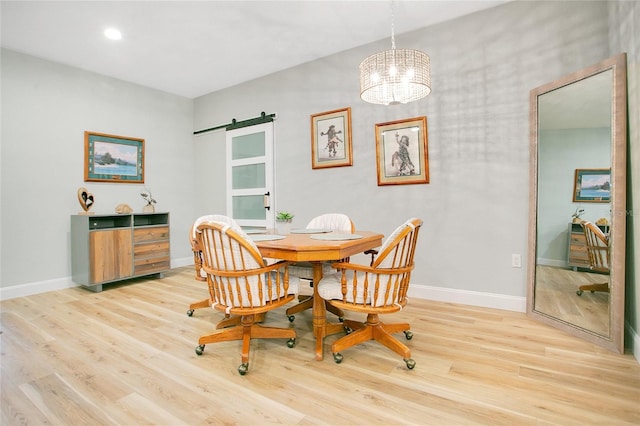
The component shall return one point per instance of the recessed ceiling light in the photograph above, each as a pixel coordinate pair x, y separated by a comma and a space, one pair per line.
113, 34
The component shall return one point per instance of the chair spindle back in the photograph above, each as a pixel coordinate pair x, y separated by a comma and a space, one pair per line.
237, 275
597, 247
385, 283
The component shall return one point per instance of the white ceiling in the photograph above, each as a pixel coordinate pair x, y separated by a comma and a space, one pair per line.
191, 48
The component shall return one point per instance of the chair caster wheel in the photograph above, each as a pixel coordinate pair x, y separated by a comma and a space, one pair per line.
348, 330
291, 342
190, 312
579, 292
199, 349
291, 318
408, 335
411, 364
337, 357
243, 369
341, 319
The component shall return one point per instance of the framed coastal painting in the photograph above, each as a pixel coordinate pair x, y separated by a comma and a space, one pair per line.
592, 185
401, 152
331, 139
111, 158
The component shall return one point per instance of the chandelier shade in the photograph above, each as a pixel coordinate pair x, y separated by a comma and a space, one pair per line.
395, 76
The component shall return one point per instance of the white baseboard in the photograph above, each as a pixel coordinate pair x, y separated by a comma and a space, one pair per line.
468, 297
29, 289
552, 262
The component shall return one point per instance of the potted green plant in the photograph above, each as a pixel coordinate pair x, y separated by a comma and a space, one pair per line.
284, 220
284, 217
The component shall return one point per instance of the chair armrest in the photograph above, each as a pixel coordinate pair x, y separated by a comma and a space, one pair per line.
369, 269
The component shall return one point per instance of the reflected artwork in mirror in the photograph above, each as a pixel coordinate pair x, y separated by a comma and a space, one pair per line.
578, 175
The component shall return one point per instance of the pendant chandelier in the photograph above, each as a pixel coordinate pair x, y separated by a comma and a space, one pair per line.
395, 76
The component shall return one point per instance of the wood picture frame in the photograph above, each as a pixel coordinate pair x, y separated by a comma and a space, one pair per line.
331, 139
592, 186
111, 158
402, 152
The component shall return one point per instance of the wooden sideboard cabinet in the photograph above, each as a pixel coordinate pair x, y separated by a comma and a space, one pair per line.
577, 254
109, 248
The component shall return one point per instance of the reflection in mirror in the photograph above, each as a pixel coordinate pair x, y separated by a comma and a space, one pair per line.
578, 174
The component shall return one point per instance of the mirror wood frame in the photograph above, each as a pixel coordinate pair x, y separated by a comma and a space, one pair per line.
615, 340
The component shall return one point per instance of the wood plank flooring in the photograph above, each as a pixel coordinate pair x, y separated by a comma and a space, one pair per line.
556, 296
126, 357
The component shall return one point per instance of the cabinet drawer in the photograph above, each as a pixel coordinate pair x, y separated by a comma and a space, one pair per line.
149, 266
158, 248
577, 239
578, 251
142, 235
578, 255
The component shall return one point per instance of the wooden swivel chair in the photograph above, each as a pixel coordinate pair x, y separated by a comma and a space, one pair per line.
336, 222
202, 276
242, 283
598, 253
380, 288
197, 258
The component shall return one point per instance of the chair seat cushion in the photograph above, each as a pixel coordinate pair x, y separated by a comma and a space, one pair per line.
294, 288
330, 288
305, 270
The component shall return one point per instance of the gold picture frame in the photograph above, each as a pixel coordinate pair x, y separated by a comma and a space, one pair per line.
331, 139
111, 158
402, 152
592, 186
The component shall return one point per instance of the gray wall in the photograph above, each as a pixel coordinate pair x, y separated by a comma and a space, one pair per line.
475, 208
46, 107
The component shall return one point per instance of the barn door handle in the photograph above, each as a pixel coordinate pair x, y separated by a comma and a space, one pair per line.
266, 201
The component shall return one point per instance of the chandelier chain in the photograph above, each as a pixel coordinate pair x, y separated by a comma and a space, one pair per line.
393, 27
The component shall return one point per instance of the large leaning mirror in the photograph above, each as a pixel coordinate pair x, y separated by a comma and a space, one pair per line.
578, 175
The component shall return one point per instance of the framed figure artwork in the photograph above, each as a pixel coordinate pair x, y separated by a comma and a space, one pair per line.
111, 158
331, 139
401, 152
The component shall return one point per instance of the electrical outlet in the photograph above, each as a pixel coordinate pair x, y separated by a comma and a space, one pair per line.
516, 261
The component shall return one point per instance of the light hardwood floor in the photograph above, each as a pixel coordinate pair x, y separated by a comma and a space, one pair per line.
556, 296
126, 357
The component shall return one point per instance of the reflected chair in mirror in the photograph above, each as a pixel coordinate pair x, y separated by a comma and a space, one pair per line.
379, 288
598, 253
197, 254
330, 221
242, 283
